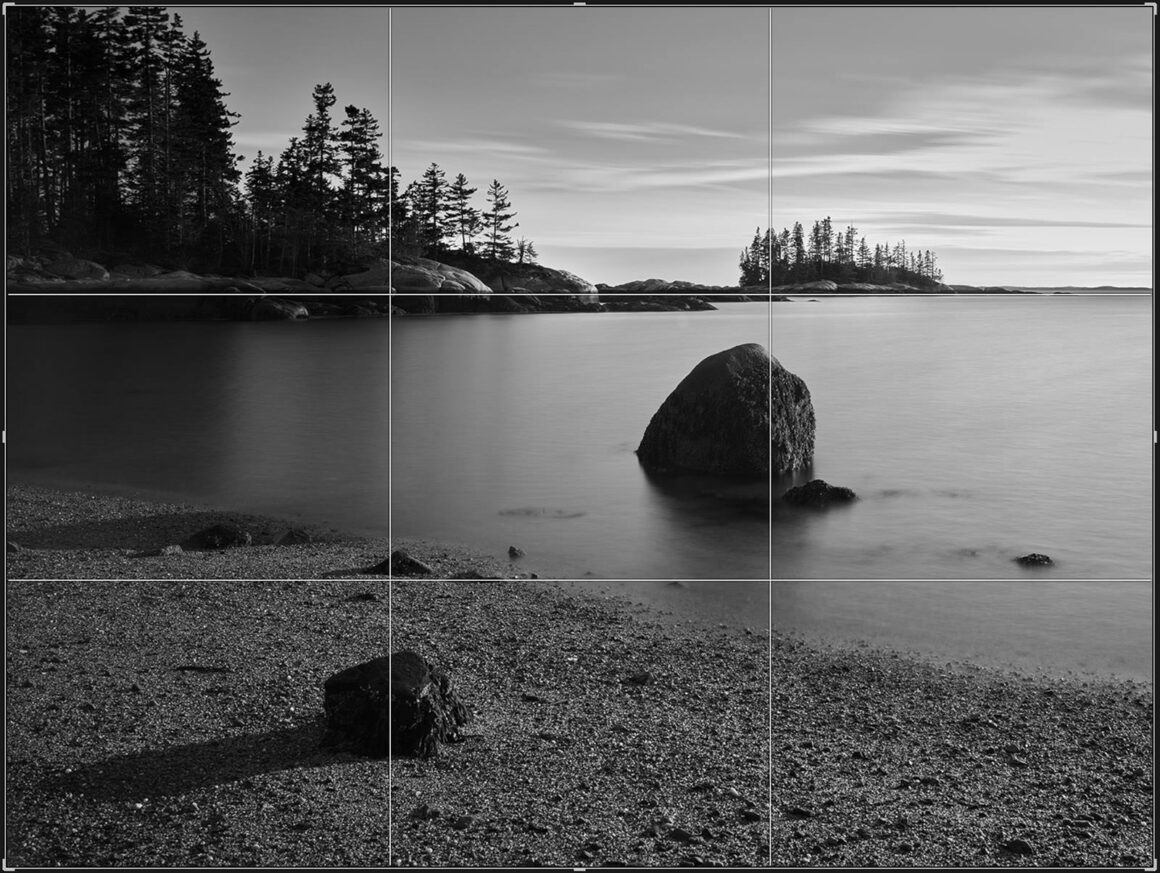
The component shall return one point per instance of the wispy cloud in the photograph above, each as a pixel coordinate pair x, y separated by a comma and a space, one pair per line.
269, 141
650, 132
959, 220
476, 145
1028, 130
594, 177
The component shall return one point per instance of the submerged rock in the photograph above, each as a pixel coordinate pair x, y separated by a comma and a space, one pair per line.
738, 412
818, 494
396, 704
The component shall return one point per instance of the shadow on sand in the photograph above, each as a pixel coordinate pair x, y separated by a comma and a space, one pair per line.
176, 770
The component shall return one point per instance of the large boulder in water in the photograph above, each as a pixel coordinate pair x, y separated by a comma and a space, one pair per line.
729, 417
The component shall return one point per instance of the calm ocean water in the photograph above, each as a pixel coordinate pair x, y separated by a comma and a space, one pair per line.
974, 430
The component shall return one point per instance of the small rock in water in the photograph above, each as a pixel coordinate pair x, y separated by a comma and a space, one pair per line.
515, 552
640, 678
818, 494
293, 537
1034, 560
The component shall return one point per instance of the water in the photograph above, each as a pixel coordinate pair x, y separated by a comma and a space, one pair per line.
522, 431
280, 418
974, 430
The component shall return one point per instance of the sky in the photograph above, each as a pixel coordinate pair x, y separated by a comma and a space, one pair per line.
633, 142
1013, 142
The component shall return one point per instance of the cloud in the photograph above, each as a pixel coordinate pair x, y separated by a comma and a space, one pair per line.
958, 220
269, 141
597, 178
1026, 129
481, 145
650, 132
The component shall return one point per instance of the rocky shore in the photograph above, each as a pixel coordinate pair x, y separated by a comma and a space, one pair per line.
54, 533
56, 286
158, 721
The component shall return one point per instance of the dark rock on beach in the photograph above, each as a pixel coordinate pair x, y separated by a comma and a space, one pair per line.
1034, 560
397, 704
401, 564
219, 536
294, 537
719, 419
818, 494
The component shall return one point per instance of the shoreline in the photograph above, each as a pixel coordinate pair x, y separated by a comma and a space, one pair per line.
92, 533
84, 305
122, 754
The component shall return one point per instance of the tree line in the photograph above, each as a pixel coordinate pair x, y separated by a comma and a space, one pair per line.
435, 217
117, 132
789, 257
119, 141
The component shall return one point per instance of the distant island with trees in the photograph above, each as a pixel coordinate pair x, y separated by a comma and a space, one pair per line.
842, 256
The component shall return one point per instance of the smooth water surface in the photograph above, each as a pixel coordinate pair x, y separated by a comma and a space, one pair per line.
973, 429
523, 431
281, 418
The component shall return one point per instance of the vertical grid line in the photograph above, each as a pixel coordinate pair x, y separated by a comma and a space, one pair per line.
769, 441
390, 430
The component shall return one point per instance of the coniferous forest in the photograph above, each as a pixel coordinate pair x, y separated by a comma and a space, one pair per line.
845, 256
119, 144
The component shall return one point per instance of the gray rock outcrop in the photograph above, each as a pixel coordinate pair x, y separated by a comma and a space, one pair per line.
739, 412
68, 267
419, 276
276, 309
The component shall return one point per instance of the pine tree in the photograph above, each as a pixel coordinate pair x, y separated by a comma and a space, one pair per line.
525, 251
365, 188
864, 262
431, 208
204, 165
462, 217
263, 200
146, 30
27, 160
751, 261
799, 251
399, 208
497, 223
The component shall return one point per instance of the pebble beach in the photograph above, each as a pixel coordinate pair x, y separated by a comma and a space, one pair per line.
175, 720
